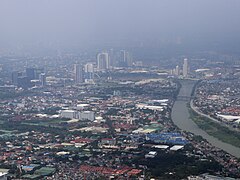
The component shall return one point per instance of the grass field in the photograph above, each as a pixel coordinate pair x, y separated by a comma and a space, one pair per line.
214, 129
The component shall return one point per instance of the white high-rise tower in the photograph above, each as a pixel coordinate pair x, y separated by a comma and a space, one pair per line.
177, 71
89, 71
185, 67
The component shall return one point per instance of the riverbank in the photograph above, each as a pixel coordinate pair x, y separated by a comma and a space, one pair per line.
181, 118
215, 129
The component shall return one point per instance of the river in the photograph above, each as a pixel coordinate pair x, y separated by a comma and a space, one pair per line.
180, 117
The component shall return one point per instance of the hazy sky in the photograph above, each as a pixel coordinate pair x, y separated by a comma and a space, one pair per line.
102, 21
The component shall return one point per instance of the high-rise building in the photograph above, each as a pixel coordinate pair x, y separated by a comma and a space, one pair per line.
21, 80
31, 73
103, 61
42, 78
129, 60
122, 60
89, 67
38, 72
177, 71
15, 76
78, 73
125, 59
185, 67
112, 58
24, 82
89, 71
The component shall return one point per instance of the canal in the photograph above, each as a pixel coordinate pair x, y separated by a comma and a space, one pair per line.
180, 117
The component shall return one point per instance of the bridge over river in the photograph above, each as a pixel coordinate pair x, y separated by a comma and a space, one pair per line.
183, 98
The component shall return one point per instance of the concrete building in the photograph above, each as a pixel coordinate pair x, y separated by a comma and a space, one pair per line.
24, 82
151, 154
43, 79
78, 73
31, 73
68, 114
185, 67
102, 61
87, 115
125, 59
89, 71
177, 72
3, 174
82, 106
15, 76
112, 58
89, 67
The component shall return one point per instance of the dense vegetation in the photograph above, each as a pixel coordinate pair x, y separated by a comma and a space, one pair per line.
177, 165
215, 129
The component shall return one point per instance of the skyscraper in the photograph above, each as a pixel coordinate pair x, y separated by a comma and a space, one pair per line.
78, 73
89, 69
185, 67
102, 61
31, 73
125, 59
15, 76
112, 58
177, 70
42, 78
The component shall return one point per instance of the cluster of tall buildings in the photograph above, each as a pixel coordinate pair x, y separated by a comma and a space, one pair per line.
83, 73
104, 62
29, 78
125, 59
185, 69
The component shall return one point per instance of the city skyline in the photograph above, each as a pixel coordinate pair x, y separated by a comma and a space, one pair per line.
124, 89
